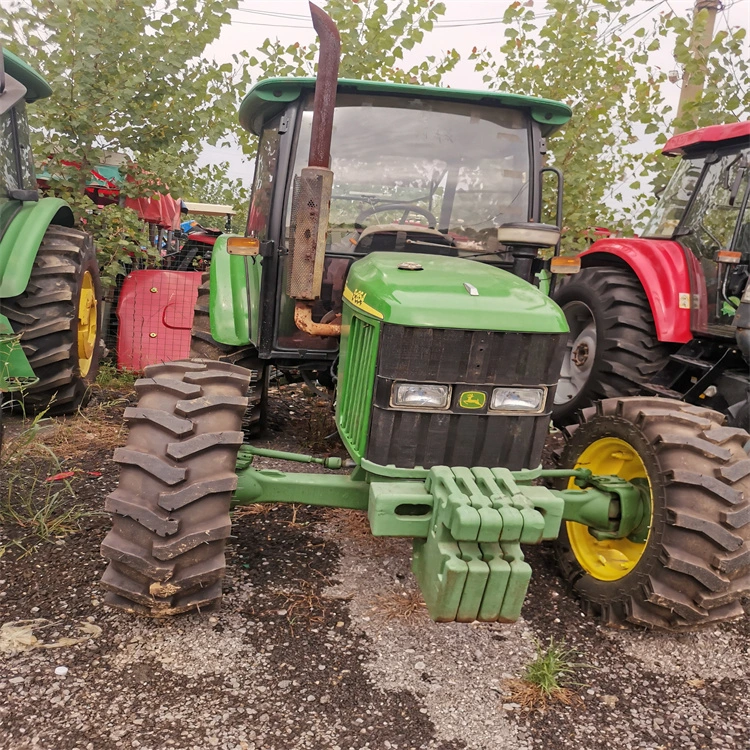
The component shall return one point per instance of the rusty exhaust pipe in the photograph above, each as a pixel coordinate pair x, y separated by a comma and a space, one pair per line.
312, 190
325, 88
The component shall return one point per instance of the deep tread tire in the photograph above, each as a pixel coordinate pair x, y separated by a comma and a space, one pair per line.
696, 564
628, 352
204, 346
170, 512
46, 316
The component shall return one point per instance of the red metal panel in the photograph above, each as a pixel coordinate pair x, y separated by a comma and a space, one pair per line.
712, 134
662, 269
155, 313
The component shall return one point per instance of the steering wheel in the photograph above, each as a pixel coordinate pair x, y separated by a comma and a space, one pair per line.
408, 208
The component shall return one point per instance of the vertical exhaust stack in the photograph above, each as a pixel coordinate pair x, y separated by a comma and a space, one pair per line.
312, 189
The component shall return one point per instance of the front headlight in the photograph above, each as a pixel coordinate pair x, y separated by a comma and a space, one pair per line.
420, 396
527, 400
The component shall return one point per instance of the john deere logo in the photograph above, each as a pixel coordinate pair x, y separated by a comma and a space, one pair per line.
472, 400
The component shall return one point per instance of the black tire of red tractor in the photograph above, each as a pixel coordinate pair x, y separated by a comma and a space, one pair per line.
46, 316
204, 346
170, 512
695, 567
628, 351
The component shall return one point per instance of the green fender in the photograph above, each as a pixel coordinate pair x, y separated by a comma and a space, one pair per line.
20, 243
235, 296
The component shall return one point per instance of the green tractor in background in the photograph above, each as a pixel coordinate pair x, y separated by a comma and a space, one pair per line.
50, 340
393, 252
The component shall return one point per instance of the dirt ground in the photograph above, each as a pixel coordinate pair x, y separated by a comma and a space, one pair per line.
322, 641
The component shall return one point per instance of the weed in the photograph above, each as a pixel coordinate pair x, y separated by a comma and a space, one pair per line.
109, 376
548, 678
38, 510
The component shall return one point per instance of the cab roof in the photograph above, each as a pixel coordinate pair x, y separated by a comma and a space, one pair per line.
696, 140
36, 86
268, 97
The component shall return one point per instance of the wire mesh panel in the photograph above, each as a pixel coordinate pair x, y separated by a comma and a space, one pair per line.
155, 315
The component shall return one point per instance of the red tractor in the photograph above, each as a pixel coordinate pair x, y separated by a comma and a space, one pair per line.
668, 313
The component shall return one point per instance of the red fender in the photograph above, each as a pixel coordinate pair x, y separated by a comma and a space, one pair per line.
662, 269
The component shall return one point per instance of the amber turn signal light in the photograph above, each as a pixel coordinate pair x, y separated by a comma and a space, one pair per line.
243, 245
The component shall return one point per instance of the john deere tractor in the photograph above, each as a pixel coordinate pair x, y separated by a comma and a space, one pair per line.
392, 250
49, 278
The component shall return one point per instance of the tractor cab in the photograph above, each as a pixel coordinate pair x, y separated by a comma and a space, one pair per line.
420, 170
704, 209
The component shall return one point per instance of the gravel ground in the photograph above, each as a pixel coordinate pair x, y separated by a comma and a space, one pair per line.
321, 643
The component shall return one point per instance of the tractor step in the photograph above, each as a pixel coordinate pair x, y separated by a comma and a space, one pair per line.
700, 364
658, 390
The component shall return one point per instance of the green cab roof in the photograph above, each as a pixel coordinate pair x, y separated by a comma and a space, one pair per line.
268, 97
437, 295
36, 86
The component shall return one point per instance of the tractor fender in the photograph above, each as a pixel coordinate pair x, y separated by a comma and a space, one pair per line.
662, 269
235, 296
22, 238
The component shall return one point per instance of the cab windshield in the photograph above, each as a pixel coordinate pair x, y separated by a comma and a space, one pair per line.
457, 169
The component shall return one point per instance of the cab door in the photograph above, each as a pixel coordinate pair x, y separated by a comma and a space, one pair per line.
716, 230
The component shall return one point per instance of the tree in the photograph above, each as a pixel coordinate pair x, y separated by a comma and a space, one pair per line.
127, 77
594, 55
722, 69
577, 57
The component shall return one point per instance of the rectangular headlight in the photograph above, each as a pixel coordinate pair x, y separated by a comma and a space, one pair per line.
420, 396
522, 400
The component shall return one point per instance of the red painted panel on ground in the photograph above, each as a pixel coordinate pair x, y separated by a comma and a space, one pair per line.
155, 314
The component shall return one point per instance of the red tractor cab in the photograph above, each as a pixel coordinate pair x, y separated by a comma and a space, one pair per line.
658, 314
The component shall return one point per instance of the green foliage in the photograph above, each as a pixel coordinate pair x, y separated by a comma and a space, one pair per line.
721, 68
570, 58
585, 55
127, 77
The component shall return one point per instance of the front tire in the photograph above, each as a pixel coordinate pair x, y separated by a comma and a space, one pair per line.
59, 319
170, 512
694, 566
612, 347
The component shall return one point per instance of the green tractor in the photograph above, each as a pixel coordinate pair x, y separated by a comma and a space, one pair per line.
50, 340
393, 251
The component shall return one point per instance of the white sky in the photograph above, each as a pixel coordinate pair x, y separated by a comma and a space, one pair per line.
466, 24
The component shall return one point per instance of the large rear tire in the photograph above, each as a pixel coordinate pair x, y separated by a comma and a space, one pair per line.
694, 567
612, 347
170, 512
59, 318
204, 346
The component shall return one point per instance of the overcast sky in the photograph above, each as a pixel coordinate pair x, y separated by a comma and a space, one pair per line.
466, 24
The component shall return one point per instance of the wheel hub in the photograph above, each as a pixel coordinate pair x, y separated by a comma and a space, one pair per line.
612, 559
87, 324
580, 354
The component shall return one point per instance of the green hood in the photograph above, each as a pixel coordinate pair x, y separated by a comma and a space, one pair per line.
437, 298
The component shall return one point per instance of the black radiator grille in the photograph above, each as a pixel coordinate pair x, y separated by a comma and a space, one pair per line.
464, 359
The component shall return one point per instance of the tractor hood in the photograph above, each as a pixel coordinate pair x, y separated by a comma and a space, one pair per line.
448, 293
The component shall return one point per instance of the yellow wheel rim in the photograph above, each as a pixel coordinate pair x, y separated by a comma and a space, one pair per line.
609, 559
87, 324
